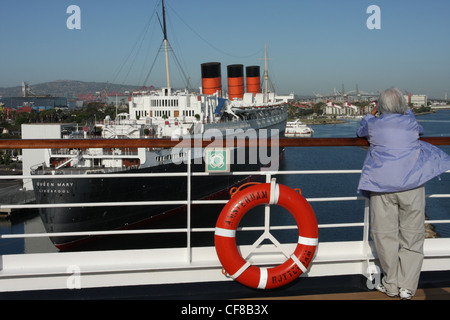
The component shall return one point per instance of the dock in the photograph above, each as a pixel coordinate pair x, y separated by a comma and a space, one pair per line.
5, 213
11, 192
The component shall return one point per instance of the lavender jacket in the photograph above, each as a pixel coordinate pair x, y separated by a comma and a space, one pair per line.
397, 160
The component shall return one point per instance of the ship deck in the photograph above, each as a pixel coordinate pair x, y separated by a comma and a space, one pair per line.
421, 294
340, 270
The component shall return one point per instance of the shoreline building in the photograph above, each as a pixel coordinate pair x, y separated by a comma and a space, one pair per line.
417, 100
345, 110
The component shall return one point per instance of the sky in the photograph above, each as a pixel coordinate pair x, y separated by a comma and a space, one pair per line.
313, 46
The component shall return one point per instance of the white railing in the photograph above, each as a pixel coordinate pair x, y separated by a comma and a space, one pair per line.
62, 270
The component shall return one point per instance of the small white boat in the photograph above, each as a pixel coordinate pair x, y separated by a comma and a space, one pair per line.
298, 129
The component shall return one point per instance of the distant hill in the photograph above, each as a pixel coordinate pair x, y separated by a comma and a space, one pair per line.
66, 88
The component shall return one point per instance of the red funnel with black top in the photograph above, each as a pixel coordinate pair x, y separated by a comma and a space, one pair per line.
235, 81
253, 79
211, 78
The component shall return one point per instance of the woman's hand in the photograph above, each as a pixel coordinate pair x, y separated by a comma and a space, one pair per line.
374, 111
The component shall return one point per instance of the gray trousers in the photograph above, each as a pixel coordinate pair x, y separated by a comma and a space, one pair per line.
398, 232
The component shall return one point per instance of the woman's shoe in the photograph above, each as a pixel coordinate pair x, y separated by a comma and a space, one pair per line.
382, 289
405, 294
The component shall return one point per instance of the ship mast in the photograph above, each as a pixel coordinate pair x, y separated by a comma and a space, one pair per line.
165, 45
266, 73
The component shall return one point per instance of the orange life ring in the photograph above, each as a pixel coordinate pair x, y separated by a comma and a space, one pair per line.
225, 241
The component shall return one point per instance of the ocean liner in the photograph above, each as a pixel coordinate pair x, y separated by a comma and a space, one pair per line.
246, 110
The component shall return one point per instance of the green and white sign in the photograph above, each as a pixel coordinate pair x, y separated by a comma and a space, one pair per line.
217, 160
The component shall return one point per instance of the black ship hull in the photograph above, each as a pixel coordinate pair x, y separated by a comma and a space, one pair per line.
129, 189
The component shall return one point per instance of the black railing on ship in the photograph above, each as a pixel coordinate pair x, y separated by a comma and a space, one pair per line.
168, 143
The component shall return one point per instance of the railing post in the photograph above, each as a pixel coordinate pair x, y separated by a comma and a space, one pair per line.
366, 222
370, 271
267, 209
189, 181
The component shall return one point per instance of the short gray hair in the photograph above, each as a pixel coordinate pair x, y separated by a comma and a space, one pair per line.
392, 101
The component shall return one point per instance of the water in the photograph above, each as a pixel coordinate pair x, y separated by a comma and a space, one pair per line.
312, 186
438, 125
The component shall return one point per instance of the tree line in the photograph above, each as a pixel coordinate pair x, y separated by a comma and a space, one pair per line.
94, 111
